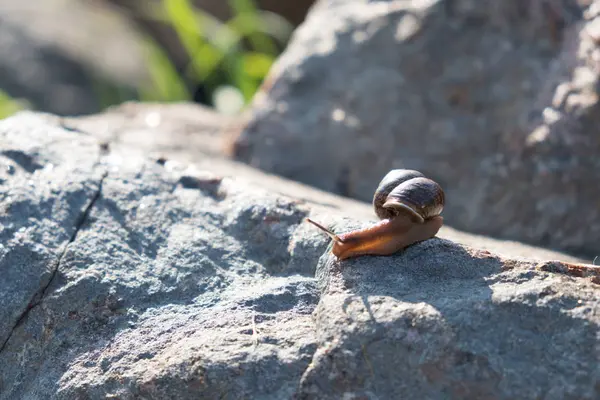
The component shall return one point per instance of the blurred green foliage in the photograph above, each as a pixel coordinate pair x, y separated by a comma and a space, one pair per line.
237, 54
9, 106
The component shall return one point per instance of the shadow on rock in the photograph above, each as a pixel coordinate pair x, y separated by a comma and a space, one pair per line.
442, 321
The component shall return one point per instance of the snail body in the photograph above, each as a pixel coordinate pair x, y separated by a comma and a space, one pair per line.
409, 206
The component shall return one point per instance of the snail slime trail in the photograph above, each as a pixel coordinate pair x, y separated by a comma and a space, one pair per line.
409, 207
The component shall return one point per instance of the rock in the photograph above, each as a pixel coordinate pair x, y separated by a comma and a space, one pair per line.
463, 91
58, 55
160, 259
45, 193
442, 321
125, 276
194, 131
547, 168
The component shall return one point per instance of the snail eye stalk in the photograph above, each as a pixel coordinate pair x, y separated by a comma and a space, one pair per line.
332, 235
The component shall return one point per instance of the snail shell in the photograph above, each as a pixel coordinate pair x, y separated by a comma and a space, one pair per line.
405, 190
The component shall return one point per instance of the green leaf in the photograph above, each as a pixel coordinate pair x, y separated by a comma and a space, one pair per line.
257, 65
247, 23
10, 106
166, 83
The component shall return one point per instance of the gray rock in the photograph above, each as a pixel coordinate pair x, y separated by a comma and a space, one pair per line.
116, 261
194, 131
44, 194
142, 279
442, 321
461, 90
42, 77
60, 56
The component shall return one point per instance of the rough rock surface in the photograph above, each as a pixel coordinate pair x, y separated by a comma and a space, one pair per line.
144, 265
496, 100
446, 322
128, 277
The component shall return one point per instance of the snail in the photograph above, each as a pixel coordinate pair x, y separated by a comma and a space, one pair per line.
409, 207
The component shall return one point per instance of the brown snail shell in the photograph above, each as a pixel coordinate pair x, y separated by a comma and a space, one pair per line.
403, 190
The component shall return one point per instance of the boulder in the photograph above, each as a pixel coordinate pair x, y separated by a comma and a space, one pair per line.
127, 275
496, 100
185, 131
60, 56
443, 321
112, 261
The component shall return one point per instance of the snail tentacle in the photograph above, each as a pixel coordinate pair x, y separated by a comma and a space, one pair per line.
332, 235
